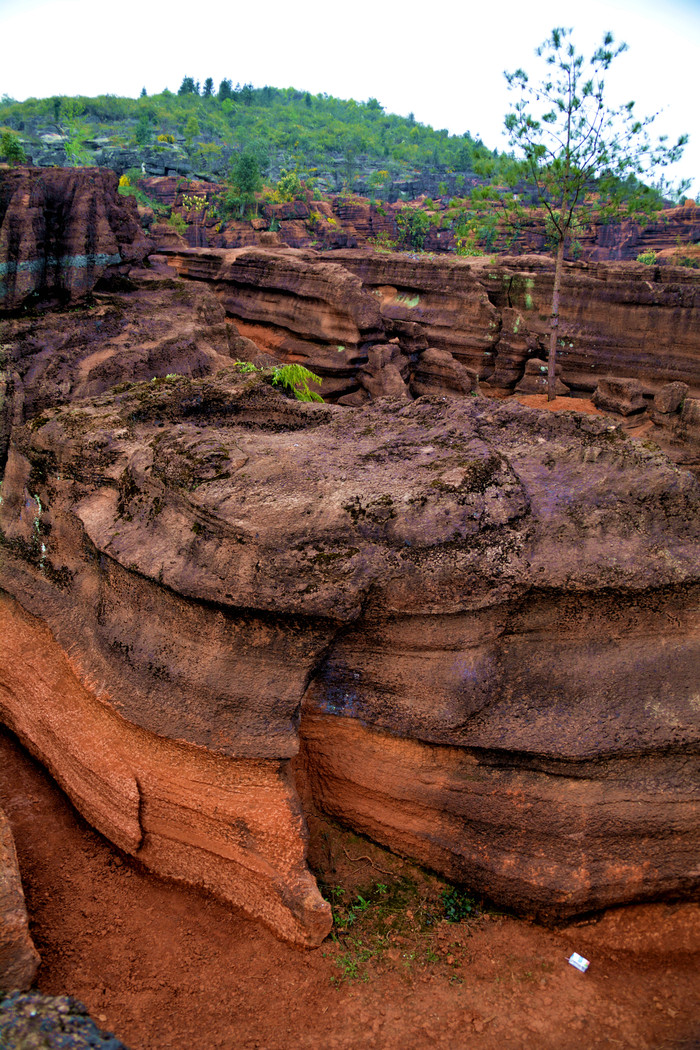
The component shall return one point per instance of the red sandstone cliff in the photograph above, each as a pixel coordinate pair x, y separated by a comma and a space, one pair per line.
626, 320
468, 628
484, 617
61, 230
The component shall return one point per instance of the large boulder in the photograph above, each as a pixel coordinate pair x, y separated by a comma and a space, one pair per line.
385, 373
623, 396
438, 372
688, 427
535, 379
670, 397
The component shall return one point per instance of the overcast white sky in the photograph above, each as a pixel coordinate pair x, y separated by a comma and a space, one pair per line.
443, 62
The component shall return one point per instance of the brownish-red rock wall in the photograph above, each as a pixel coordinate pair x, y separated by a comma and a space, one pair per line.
18, 957
61, 230
553, 838
626, 320
485, 639
232, 826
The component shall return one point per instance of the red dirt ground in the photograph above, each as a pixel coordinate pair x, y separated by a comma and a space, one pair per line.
559, 404
167, 968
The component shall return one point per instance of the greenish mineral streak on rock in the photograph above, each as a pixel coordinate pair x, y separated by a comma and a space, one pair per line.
63, 262
52, 262
529, 285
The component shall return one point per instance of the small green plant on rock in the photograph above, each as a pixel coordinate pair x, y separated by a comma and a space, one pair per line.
177, 222
295, 380
458, 905
383, 242
648, 258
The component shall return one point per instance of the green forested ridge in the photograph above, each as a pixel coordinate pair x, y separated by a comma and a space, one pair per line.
299, 142
342, 143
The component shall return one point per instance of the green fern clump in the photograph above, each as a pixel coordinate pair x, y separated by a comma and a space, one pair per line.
295, 379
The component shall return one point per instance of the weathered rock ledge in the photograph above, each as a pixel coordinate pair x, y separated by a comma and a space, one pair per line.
621, 319
478, 622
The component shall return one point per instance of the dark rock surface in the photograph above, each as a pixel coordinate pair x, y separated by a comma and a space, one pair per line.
32, 1021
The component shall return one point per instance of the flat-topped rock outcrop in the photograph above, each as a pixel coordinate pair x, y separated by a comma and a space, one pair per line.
471, 628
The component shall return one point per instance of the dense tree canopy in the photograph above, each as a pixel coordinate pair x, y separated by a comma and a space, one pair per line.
296, 129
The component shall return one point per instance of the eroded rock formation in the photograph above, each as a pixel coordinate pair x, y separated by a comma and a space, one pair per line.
61, 230
465, 609
18, 957
623, 320
465, 628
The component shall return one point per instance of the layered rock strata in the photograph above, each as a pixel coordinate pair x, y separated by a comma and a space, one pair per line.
480, 621
623, 320
472, 629
61, 230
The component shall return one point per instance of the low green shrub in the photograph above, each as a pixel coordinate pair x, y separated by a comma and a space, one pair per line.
295, 380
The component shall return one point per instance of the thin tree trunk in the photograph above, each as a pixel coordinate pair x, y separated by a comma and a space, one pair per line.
554, 323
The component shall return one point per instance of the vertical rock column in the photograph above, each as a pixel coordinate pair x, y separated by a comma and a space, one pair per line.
19, 959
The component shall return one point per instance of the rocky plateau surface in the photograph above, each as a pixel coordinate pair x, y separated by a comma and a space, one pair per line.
463, 627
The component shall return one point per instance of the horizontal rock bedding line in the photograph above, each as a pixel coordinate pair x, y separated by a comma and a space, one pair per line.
491, 316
